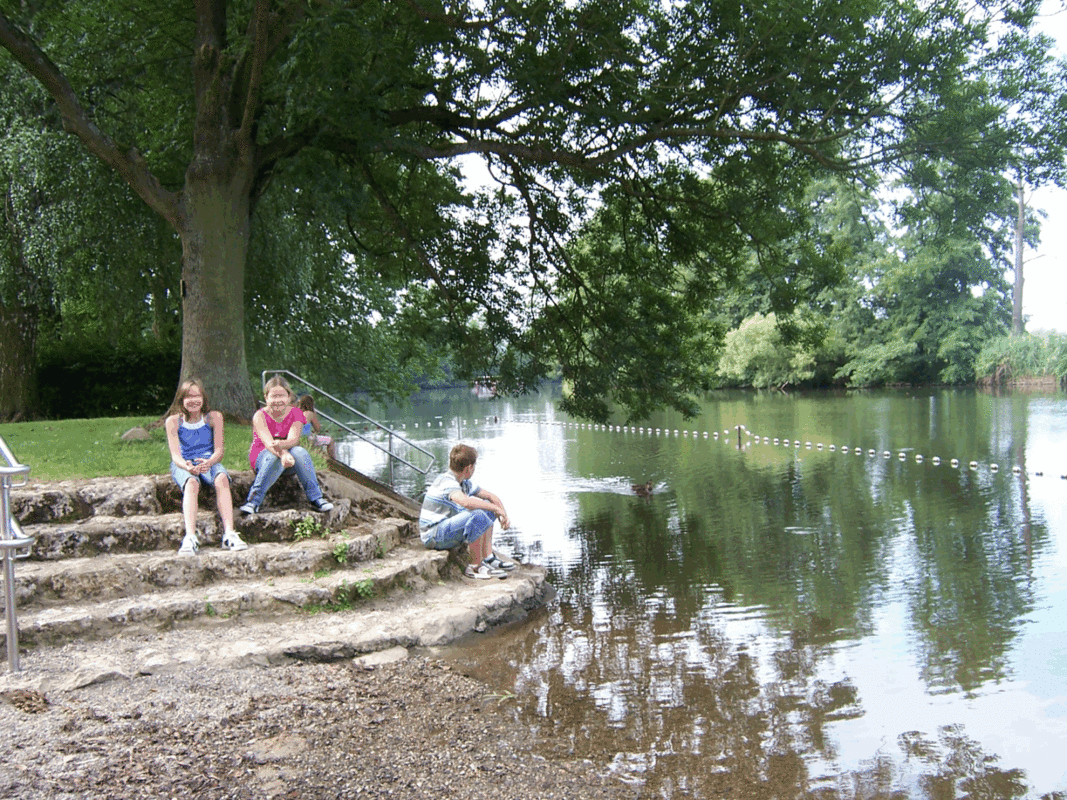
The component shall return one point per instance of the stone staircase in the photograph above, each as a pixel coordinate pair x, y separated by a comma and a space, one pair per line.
312, 585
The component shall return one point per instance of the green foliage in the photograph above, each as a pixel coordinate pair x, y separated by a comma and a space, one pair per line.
879, 364
756, 355
85, 378
650, 167
340, 552
1028, 356
307, 527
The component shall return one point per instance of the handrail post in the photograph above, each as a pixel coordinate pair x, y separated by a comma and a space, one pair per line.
11, 474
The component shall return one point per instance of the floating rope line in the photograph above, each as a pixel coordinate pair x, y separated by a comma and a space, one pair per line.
742, 432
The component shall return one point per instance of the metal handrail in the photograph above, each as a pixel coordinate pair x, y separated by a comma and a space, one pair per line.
12, 473
393, 435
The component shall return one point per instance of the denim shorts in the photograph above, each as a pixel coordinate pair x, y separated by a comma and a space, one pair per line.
181, 475
466, 526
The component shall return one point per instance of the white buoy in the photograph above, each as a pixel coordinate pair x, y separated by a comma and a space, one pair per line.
871, 452
833, 448
936, 460
797, 443
776, 440
819, 446
954, 462
785, 442
974, 465
807, 445
1016, 469
919, 457
902, 456
844, 449
995, 467
886, 454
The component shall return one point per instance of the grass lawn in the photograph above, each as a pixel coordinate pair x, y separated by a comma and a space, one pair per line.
88, 448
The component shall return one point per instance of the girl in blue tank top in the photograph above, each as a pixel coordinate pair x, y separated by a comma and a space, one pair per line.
195, 438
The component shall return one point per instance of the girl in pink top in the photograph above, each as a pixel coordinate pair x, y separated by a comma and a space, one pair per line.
275, 450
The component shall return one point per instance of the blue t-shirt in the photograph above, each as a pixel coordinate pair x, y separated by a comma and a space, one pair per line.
437, 504
197, 440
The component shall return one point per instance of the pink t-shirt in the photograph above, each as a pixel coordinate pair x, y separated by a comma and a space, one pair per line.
279, 430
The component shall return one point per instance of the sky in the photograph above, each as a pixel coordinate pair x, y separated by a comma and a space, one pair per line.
1045, 270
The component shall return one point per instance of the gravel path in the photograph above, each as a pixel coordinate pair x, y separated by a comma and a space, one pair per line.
415, 728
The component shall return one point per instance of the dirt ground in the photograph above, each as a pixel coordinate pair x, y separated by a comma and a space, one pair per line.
412, 729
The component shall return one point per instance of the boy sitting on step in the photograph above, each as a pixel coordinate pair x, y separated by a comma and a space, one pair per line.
456, 510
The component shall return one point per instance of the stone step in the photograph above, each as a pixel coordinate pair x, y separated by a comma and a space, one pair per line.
67, 501
108, 535
233, 601
108, 577
438, 616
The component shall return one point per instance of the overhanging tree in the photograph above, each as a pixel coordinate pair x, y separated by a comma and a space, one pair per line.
205, 108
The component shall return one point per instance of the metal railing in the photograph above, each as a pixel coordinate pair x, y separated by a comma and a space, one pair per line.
12, 541
392, 435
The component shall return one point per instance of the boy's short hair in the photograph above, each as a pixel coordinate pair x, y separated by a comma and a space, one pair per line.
461, 457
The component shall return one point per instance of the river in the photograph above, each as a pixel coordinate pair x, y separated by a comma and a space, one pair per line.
825, 594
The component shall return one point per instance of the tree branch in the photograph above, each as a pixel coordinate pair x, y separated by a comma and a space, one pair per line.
130, 164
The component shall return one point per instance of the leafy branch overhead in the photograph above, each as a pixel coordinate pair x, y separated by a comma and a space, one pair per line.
640, 160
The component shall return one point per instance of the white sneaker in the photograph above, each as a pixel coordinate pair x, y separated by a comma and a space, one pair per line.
483, 572
190, 544
233, 541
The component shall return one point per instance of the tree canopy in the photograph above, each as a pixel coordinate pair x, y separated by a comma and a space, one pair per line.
309, 158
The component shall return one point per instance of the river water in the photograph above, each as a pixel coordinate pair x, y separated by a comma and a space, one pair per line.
815, 600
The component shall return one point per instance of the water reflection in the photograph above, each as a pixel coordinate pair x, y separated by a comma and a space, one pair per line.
785, 620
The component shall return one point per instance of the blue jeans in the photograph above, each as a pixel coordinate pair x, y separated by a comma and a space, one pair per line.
181, 475
466, 526
269, 469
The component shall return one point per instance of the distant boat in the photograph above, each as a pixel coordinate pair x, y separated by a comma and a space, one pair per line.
484, 390
642, 489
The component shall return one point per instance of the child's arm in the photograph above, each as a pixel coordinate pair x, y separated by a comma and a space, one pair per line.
259, 424
214, 419
171, 426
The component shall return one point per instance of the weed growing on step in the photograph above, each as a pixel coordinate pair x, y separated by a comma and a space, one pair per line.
340, 552
365, 588
210, 610
308, 527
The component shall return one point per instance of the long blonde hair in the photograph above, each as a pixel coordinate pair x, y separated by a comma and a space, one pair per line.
178, 406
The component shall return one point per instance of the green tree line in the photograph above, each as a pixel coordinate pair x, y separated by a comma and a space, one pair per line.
266, 183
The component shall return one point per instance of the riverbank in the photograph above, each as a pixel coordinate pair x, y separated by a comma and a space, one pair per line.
242, 701
412, 728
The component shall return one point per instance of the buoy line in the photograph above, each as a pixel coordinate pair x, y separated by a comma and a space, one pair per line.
728, 435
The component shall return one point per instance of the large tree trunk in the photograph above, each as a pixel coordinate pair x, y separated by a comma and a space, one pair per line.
215, 220
18, 362
214, 252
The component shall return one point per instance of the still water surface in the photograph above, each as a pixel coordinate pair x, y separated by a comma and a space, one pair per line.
799, 618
